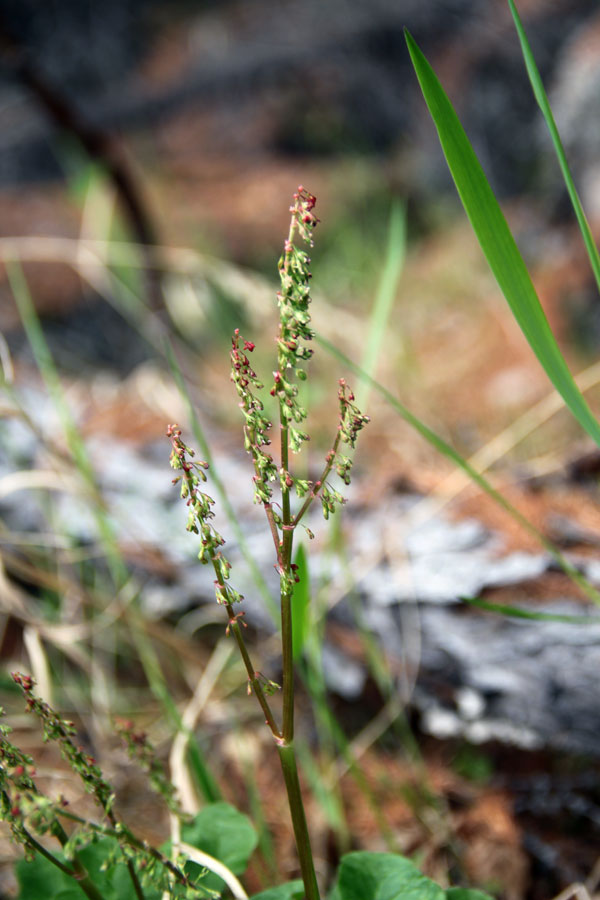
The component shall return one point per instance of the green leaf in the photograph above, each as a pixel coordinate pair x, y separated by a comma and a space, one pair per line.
74, 893
384, 299
497, 242
225, 833
542, 100
518, 612
383, 876
292, 890
300, 603
466, 894
39, 878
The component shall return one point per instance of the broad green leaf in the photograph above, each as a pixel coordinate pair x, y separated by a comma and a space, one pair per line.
292, 890
74, 893
225, 833
300, 603
384, 876
466, 894
544, 105
497, 242
40, 878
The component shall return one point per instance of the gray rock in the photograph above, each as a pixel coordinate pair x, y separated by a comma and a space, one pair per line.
532, 683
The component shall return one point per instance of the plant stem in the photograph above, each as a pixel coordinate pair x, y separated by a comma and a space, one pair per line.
319, 484
287, 758
287, 665
124, 836
39, 848
252, 673
285, 748
78, 872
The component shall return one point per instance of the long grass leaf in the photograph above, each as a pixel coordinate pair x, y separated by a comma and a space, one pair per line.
517, 612
544, 105
384, 299
496, 240
300, 602
117, 567
455, 457
47, 367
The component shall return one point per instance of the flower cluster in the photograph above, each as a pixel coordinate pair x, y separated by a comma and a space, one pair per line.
200, 514
28, 810
16, 785
140, 749
294, 332
257, 425
294, 315
351, 422
62, 731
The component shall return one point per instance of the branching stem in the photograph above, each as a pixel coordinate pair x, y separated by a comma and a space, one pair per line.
321, 481
253, 679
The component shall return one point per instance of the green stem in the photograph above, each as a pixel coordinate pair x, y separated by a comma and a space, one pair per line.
78, 872
253, 675
124, 836
287, 665
39, 848
285, 747
290, 774
285, 564
137, 887
274, 532
321, 481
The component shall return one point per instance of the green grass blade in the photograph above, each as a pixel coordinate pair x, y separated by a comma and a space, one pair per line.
455, 457
544, 105
117, 567
77, 449
384, 300
517, 612
497, 242
300, 602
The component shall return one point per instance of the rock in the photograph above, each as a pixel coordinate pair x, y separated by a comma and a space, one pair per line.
529, 683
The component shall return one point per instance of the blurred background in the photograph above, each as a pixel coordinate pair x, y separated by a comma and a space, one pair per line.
148, 154
198, 119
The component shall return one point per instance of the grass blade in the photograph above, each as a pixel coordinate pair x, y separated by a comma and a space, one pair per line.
384, 300
117, 567
300, 602
455, 457
497, 242
544, 105
77, 449
517, 612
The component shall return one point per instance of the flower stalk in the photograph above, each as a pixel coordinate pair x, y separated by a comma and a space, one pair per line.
293, 353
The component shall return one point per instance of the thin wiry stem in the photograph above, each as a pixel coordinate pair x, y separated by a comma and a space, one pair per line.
330, 459
253, 675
